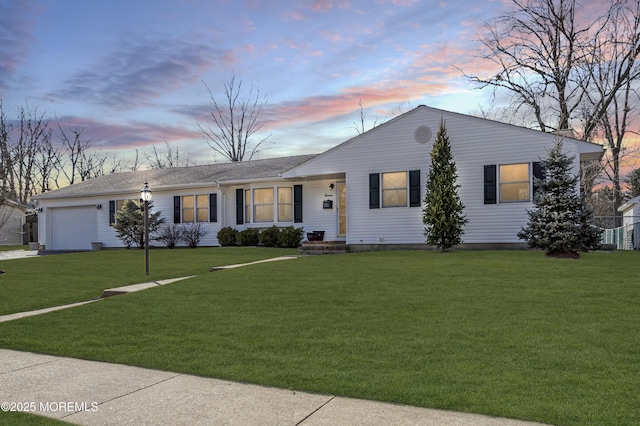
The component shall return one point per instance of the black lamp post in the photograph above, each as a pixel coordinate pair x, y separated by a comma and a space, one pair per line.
145, 195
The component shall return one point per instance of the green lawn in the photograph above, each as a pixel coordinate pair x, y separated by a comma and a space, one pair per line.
512, 334
8, 248
16, 418
46, 281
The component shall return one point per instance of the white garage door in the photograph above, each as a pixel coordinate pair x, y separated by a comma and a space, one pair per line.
73, 228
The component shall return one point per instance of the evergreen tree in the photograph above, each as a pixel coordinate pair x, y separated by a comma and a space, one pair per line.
129, 224
561, 223
633, 183
442, 214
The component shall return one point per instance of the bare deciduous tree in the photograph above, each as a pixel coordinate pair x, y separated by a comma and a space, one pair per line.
537, 49
229, 127
133, 165
20, 145
78, 162
169, 158
360, 127
47, 171
565, 70
75, 152
5, 157
611, 100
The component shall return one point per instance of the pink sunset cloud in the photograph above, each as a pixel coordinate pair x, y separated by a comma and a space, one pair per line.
320, 108
322, 5
127, 135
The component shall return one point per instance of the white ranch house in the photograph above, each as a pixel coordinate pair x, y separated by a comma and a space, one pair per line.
367, 192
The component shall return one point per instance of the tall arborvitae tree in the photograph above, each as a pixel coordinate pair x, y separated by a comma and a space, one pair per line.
443, 216
561, 223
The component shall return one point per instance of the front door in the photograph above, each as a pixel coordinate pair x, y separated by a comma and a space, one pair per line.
342, 209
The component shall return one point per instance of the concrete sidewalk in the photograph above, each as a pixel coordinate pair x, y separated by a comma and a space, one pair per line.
97, 393
17, 254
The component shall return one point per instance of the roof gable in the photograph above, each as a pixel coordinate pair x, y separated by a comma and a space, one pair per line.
399, 136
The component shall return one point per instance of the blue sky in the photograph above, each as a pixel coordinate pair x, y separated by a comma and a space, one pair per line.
132, 73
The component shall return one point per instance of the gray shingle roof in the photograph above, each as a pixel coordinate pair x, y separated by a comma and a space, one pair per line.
179, 176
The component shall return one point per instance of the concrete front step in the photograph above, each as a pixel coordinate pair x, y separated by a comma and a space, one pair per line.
323, 247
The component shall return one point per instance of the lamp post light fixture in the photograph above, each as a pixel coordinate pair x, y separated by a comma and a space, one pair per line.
145, 195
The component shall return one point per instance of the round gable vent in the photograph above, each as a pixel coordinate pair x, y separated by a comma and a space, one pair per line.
423, 134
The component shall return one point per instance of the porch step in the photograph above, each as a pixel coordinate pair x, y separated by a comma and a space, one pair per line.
323, 247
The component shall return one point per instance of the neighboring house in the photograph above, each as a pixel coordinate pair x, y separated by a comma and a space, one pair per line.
367, 191
11, 223
630, 230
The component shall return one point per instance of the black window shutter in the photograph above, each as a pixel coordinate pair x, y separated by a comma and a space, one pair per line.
490, 184
239, 206
213, 207
112, 212
176, 209
374, 191
414, 188
297, 203
538, 173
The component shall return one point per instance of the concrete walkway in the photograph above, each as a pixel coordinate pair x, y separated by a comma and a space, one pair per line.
97, 393
17, 254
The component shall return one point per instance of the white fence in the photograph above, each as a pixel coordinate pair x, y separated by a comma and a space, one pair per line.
623, 232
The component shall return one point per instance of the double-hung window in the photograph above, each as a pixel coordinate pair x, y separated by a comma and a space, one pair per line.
394, 189
272, 204
507, 183
195, 208
247, 206
514, 182
263, 205
285, 204
114, 207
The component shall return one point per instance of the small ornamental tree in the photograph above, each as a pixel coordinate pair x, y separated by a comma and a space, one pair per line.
443, 216
561, 222
129, 224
